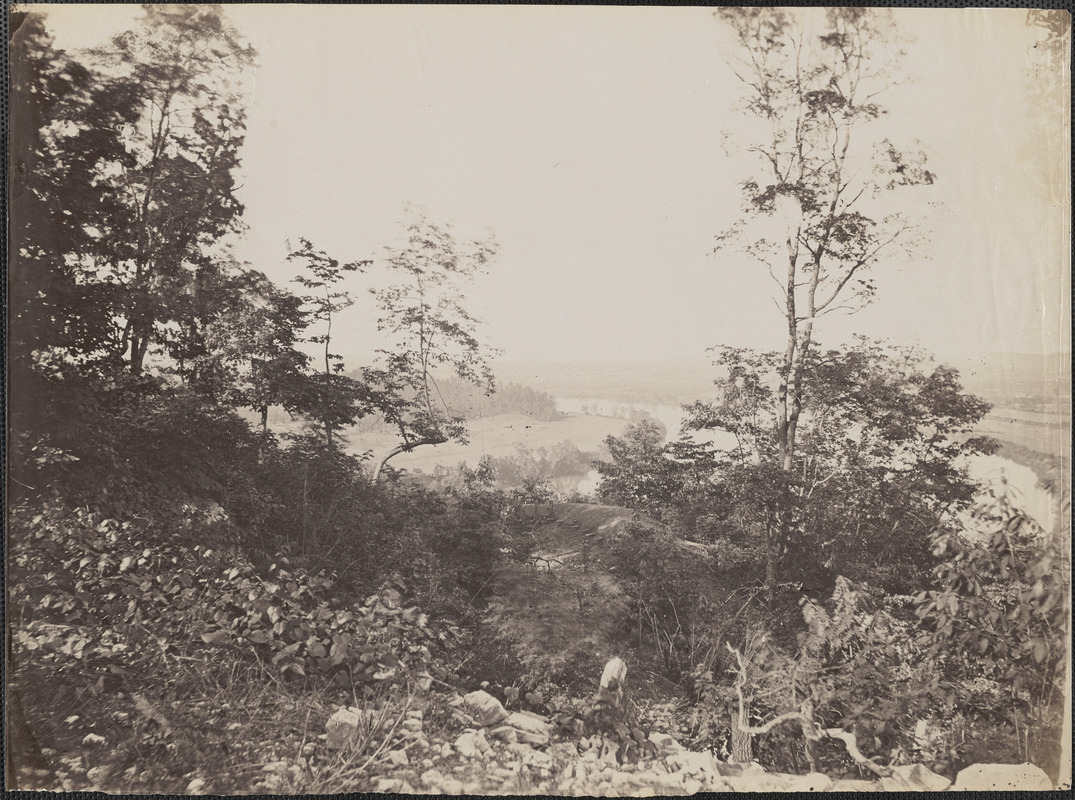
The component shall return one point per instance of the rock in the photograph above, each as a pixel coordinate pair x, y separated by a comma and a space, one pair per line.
485, 707
412, 725
342, 725
93, 750
472, 745
196, 786
563, 751
736, 769
692, 763
813, 782
915, 778
432, 777
993, 777
505, 733
611, 689
398, 758
98, 775
389, 785
526, 727
452, 786
691, 786
665, 744
854, 786
529, 721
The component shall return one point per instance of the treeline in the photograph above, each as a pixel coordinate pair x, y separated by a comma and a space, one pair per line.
143, 506
122, 271
511, 398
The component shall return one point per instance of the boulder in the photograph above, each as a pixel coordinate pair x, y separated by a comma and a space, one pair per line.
530, 722
486, 708
342, 725
526, 727
996, 777
472, 745
736, 769
914, 778
691, 762
664, 744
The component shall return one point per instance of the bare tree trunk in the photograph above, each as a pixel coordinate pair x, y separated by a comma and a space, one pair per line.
406, 447
742, 742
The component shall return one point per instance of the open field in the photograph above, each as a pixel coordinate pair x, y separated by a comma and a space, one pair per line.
497, 436
1045, 433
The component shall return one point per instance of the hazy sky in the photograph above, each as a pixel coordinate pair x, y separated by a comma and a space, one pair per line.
589, 139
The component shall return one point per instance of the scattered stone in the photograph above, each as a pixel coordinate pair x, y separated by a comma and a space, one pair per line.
813, 782
665, 744
342, 725
446, 750
432, 777
98, 775
995, 777
563, 750
472, 745
692, 786
427, 763
735, 769
389, 785
412, 725
693, 763
915, 778
196, 786
398, 758
530, 722
505, 733
854, 785
485, 707
93, 746
452, 786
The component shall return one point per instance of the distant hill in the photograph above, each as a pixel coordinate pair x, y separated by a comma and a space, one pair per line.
1029, 381
1026, 381
666, 382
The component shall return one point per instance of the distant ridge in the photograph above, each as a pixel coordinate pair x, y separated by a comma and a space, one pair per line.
1003, 378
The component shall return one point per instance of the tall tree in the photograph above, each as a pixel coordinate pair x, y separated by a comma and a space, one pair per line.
65, 125
434, 334
824, 175
254, 346
334, 397
821, 169
137, 175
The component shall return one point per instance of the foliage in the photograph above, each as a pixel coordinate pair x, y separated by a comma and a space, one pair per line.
882, 439
814, 99
645, 474
532, 467
334, 399
855, 669
1001, 607
433, 333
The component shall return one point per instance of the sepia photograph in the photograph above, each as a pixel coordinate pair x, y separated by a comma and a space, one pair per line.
537, 400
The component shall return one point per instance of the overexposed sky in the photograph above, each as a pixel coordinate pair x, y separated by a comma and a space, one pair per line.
589, 139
